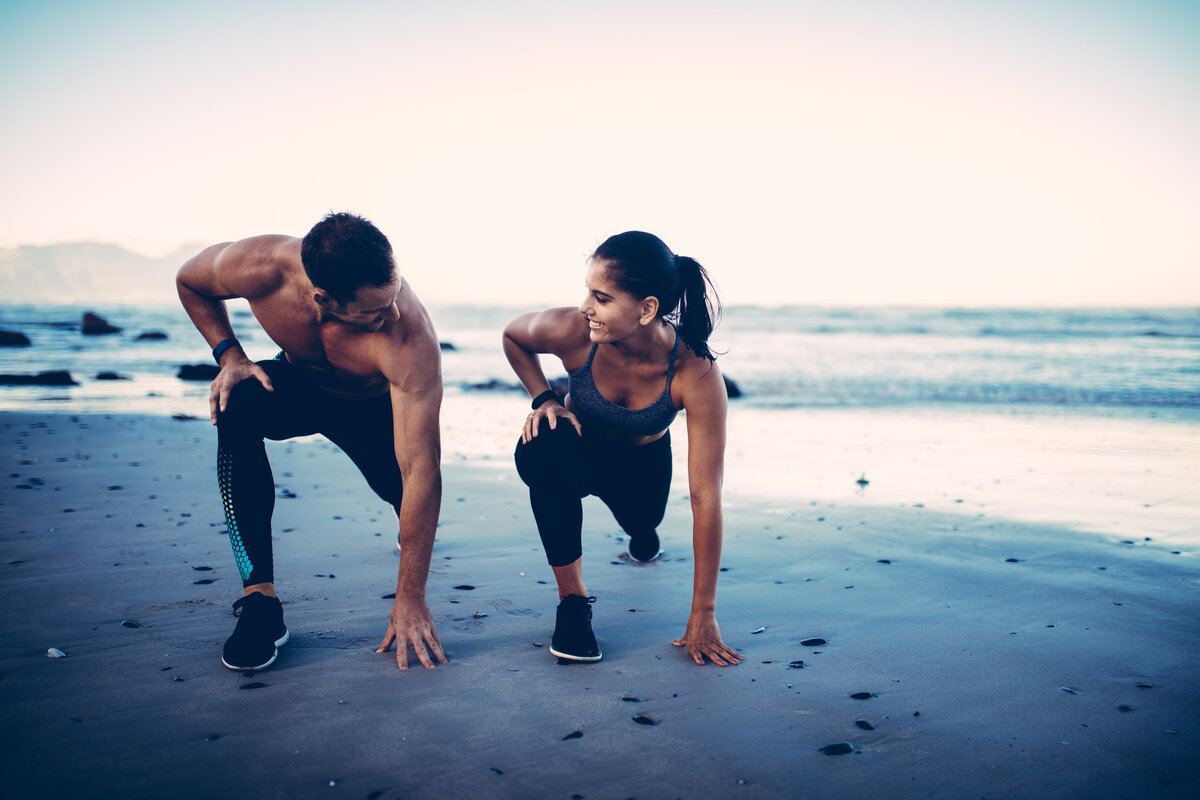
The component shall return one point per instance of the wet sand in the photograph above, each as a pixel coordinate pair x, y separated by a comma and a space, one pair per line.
997, 656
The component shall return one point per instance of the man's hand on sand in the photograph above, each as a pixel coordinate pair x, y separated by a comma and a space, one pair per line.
703, 638
233, 371
411, 625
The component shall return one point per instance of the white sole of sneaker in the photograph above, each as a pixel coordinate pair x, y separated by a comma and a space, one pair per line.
636, 560
280, 642
264, 665
554, 652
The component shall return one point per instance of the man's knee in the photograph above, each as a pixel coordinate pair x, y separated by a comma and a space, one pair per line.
245, 409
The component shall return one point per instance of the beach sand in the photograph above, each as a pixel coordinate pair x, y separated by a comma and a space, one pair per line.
1012, 637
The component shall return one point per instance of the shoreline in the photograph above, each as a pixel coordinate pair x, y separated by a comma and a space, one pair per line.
984, 648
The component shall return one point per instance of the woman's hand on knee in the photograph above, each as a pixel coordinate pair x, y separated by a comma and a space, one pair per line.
553, 412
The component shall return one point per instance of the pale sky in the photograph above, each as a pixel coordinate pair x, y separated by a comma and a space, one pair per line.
971, 152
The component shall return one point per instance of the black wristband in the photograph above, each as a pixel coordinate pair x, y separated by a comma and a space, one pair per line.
222, 346
546, 397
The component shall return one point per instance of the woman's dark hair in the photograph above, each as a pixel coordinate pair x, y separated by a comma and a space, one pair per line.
344, 252
643, 265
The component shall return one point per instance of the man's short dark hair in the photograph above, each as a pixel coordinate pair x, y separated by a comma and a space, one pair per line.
344, 252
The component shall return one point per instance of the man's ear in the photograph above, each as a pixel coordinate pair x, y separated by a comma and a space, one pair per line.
324, 300
648, 310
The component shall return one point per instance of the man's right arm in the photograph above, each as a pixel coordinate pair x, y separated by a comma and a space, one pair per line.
204, 283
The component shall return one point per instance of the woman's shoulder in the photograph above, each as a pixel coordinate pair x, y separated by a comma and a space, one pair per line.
560, 331
696, 374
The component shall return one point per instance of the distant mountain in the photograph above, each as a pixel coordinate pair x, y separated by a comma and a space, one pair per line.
84, 272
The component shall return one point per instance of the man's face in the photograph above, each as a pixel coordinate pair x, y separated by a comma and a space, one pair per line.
371, 309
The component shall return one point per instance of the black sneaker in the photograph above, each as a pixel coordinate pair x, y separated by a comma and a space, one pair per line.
573, 638
644, 549
259, 634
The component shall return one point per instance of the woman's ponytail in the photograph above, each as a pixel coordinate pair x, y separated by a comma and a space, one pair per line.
643, 265
699, 308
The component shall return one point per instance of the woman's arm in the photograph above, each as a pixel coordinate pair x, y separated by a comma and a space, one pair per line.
555, 331
706, 402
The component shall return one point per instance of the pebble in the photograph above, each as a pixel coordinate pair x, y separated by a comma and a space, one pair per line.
54, 652
838, 749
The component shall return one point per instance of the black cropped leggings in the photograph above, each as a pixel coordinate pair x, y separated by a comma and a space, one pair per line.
362, 428
561, 468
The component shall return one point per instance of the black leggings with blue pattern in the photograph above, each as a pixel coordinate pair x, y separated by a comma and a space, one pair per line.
296, 407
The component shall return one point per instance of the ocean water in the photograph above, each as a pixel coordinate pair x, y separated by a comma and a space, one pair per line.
781, 358
1083, 418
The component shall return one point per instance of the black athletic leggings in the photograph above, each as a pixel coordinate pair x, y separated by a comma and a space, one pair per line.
561, 468
362, 428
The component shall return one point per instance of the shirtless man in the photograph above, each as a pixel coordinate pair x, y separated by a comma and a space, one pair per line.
360, 364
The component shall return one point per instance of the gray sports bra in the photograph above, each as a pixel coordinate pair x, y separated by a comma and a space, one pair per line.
591, 406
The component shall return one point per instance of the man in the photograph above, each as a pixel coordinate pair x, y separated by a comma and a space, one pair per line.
360, 364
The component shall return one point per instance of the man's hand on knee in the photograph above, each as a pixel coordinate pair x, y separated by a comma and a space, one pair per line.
234, 370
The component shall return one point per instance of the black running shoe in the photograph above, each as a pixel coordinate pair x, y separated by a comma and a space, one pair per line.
259, 634
573, 638
645, 548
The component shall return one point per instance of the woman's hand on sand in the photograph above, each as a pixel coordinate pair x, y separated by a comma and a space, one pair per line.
552, 411
411, 625
233, 371
703, 638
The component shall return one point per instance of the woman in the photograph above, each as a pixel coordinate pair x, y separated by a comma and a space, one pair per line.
636, 351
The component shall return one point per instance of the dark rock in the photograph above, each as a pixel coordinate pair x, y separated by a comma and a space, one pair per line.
493, 385
197, 372
55, 377
447, 347
13, 339
731, 388
149, 336
96, 325
110, 376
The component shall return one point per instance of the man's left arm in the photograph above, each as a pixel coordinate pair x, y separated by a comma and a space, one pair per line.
416, 391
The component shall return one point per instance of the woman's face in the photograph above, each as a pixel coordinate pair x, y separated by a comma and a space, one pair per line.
612, 312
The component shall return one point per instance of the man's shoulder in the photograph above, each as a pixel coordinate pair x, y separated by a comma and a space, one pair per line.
259, 264
268, 250
415, 326
409, 347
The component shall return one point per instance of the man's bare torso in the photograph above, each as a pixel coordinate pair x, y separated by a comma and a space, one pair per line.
336, 356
